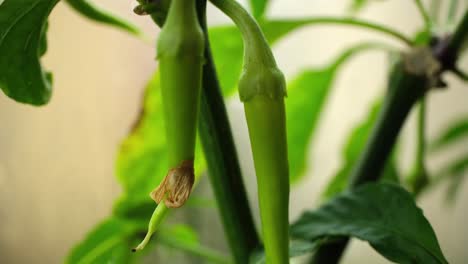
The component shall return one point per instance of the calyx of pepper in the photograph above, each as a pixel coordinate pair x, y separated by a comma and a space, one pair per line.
176, 187
264, 80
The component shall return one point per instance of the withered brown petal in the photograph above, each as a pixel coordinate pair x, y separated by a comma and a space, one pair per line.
176, 186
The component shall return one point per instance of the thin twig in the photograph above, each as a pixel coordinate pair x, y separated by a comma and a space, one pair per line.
424, 14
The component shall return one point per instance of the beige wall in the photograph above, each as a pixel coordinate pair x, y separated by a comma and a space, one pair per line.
56, 162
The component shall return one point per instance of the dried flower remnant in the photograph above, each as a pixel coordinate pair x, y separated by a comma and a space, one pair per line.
176, 187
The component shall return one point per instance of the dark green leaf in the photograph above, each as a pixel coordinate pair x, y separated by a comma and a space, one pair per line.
457, 130
385, 215
108, 242
22, 41
258, 7
307, 95
87, 9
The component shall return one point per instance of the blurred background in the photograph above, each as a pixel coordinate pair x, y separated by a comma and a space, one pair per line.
57, 162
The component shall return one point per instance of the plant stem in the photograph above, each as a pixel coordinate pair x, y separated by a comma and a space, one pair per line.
460, 74
406, 87
223, 165
418, 178
255, 44
424, 14
421, 148
460, 36
448, 54
350, 22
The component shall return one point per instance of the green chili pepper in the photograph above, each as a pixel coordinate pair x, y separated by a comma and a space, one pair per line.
87, 9
180, 54
262, 89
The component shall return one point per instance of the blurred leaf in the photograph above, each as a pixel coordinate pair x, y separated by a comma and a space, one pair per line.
184, 238
307, 96
296, 248
455, 172
457, 130
357, 5
385, 215
107, 243
111, 242
142, 161
22, 42
355, 144
88, 10
227, 48
454, 187
258, 7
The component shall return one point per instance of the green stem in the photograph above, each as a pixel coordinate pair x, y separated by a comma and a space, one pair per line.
421, 148
406, 87
424, 14
460, 74
255, 44
351, 22
223, 165
418, 179
158, 216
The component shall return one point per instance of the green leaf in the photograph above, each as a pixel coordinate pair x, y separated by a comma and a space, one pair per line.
307, 96
22, 38
184, 238
108, 242
296, 248
355, 143
227, 49
385, 215
258, 7
457, 130
88, 10
142, 160
357, 5
351, 150
455, 171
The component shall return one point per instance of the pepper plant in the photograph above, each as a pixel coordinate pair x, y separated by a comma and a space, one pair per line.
368, 198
